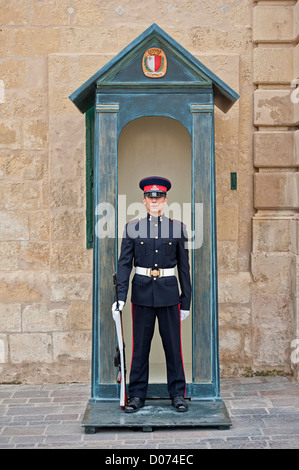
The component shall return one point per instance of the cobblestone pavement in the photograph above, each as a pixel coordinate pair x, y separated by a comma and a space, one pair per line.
264, 412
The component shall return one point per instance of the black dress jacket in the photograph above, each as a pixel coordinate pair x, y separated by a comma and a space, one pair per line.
157, 243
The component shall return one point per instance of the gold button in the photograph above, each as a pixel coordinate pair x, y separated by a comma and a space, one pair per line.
156, 265
156, 251
141, 243
170, 243
155, 278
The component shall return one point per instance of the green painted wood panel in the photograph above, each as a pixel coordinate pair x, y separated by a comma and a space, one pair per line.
107, 197
89, 148
201, 257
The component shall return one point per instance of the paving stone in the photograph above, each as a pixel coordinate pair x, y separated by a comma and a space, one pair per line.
264, 413
23, 430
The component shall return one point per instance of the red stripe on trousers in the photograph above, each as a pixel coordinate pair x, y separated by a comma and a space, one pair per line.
132, 336
181, 347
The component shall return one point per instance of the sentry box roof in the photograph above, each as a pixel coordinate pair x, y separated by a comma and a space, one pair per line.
125, 69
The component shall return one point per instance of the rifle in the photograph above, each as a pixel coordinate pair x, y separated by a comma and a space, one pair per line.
119, 359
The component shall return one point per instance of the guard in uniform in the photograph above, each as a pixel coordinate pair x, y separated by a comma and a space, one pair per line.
155, 244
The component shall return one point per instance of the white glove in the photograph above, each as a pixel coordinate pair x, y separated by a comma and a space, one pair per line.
115, 311
184, 314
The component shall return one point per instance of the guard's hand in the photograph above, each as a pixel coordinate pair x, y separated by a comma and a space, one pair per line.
115, 311
184, 314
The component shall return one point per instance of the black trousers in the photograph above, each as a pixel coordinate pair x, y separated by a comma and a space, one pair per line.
143, 319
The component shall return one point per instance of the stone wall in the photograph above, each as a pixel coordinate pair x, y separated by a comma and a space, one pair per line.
275, 223
48, 49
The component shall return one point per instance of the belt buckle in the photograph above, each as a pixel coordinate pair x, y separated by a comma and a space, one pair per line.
155, 272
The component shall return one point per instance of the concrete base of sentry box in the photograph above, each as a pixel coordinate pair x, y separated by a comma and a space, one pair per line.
156, 414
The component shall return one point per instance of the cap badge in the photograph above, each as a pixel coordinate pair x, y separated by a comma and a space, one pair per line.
154, 63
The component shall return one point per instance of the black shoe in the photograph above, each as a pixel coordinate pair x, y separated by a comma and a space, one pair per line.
179, 404
133, 405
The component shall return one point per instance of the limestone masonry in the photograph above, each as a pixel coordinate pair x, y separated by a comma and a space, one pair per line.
48, 49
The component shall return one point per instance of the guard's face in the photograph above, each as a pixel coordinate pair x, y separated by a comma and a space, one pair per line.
155, 205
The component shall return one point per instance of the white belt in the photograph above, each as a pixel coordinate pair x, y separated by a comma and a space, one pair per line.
154, 272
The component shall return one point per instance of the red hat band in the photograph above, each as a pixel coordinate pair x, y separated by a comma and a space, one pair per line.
155, 188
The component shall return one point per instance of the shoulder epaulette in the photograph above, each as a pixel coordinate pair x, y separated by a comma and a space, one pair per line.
177, 222
134, 221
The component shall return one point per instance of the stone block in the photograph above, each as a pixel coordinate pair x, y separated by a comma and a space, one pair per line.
70, 287
67, 225
271, 234
5, 43
10, 134
34, 255
271, 273
27, 103
295, 100
233, 316
275, 149
37, 73
15, 12
14, 225
70, 256
64, 193
3, 349
10, 317
19, 196
80, 316
13, 72
9, 256
296, 22
28, 42
295, 277
234, 288
39, 225
30, 347
275, 190
296, 67
295, 285
227, 223
27, 286
63, 70
273, 108
272, 23
271, 329
23, 165
67, 147
72, 345
52, 13
59, 102
230, 343
295, 236
93, 13
202, 37
92, 39
272, 65
227, 254
35, 136
44, 318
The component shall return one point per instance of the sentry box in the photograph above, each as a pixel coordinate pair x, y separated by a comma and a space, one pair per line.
153, 104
